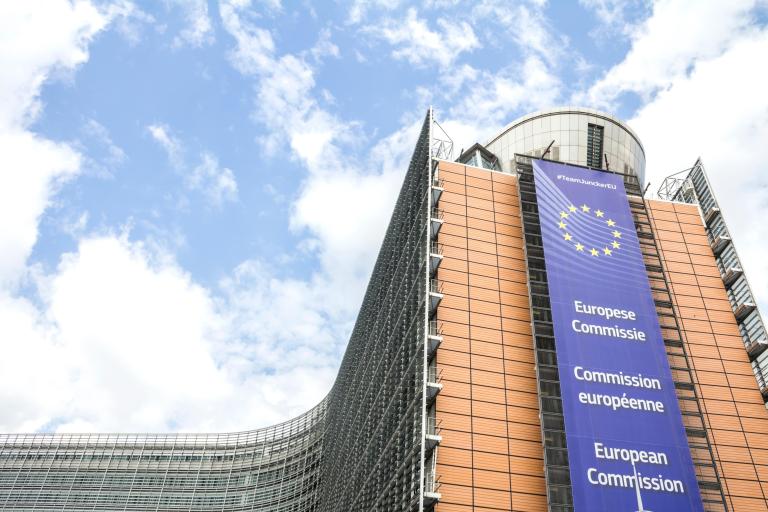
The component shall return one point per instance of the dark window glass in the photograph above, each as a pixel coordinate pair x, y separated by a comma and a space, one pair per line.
594, 146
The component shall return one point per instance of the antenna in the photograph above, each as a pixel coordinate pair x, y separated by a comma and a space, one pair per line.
548, 148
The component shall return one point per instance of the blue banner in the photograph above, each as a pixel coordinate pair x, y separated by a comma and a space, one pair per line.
627, 447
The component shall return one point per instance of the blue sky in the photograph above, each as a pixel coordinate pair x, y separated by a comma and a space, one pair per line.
193, 193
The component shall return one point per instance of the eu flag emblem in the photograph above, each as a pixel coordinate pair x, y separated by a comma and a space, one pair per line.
589, 231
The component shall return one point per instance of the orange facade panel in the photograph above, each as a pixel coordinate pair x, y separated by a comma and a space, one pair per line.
731, 402
491, 454
489, 399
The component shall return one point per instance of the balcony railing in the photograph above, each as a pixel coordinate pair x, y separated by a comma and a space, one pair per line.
436, 221
756, 347
719, 243
732, 274
743, 310
435, 256
431, 489
435, 296
713, 212
434, 337
433, 426
437, 190
434, 375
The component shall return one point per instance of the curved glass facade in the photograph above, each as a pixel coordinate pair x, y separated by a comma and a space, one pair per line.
275, 468
581, 136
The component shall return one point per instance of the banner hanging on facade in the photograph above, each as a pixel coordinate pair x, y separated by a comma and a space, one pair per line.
627, 446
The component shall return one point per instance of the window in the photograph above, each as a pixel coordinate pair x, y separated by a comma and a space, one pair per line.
594, 146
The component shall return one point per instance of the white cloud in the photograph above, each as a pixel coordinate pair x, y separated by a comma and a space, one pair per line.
719, 111
36, 41
172, 145
30, 371
615, 16
359, 8
31, 170
118, 337
199, 29
215, 182
128, 341
527, 25
324, 46
482, 102
253, 51
128, 19
667, 44
132, 325
344, 204
98, 132
416, 43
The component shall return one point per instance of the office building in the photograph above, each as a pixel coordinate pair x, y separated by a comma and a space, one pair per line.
535, 336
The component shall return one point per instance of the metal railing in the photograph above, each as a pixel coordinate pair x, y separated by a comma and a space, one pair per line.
433, 426
434, 375
432, 482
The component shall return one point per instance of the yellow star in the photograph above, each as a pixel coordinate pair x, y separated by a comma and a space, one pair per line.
584, 208
579, 247
572, 208
594, 252
599, 213
615, 244
610, 222
616, 234
562, 225
567, 236
607, 251
563, 215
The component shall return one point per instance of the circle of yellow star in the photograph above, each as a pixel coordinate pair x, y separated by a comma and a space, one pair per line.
594, 251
